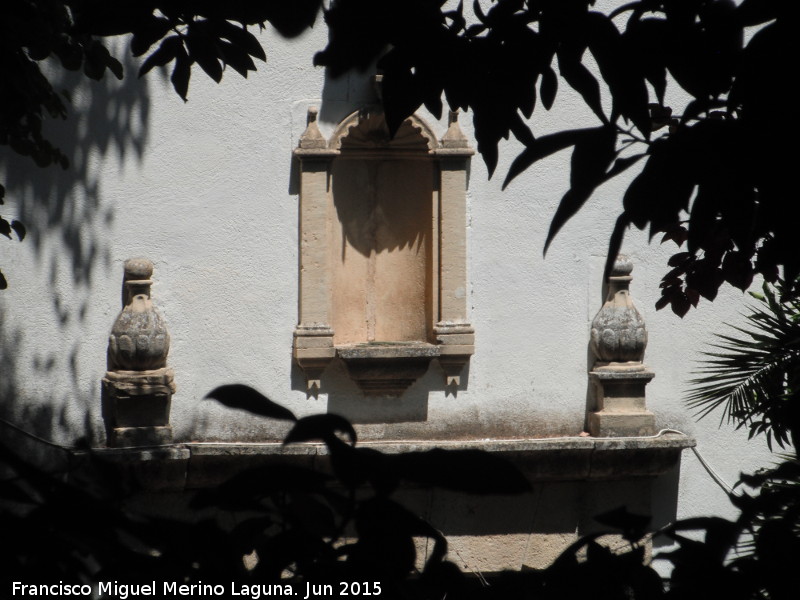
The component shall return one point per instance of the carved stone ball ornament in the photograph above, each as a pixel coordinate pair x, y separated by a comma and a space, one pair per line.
618, 331
139, 339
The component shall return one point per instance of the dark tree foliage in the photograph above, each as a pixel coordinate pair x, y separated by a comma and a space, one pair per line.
38, 36
714, 173
752, 373
344, 524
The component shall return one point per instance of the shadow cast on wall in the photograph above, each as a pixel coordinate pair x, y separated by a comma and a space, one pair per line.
67, 220
106, 118
481, 509
345, 398
31, 426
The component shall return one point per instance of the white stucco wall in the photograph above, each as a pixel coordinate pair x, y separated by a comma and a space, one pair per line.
208, 192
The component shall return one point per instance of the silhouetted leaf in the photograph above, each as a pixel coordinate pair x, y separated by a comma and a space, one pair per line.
3, 281
664, 187
146, 36
487, 146
472, 471
637, 4
457, 18
737, 270
619, 69
706, 277
98, 59
70, 54
181, 73
548, 87
678, 258
94, 63
680, 303
203, 51
311, 514
320, 427
236, 58
676, 233
241, 38
582, 81
115, 67
476, 29
521, 131
19, 228
476, 8
402, 95
246, 398
166, 52
360, 32
245, 490
385, 546
541, 147
621, 165
720, 538
632, 526
591, 157
290, 19
756, 12
357, 466
5, 228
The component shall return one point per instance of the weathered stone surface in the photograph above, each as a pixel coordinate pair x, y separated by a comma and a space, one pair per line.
139, 339
387, 350
618, 331
622, 423
123, 437
539, 459
621, 391
138, 387
618, 341
137, 407
386, 368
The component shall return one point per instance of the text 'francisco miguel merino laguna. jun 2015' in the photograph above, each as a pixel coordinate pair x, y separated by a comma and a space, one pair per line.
173, 589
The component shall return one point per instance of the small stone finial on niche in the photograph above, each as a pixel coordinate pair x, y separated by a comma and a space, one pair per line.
138, 385
312, 138
618, 341
454, 137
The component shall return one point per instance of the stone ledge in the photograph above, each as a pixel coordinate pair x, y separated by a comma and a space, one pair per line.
196, 465
387, 351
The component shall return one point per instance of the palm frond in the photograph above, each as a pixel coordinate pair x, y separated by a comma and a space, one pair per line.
752, 371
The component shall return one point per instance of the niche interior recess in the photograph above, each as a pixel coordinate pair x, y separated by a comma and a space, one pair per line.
383, 283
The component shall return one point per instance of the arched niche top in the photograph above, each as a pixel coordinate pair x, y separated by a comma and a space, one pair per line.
383, 305
367, 131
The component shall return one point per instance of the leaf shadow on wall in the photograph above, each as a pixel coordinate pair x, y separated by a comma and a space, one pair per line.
106, 118
68, 221
62, 416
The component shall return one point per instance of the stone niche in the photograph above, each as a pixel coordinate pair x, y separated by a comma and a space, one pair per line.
383, 252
